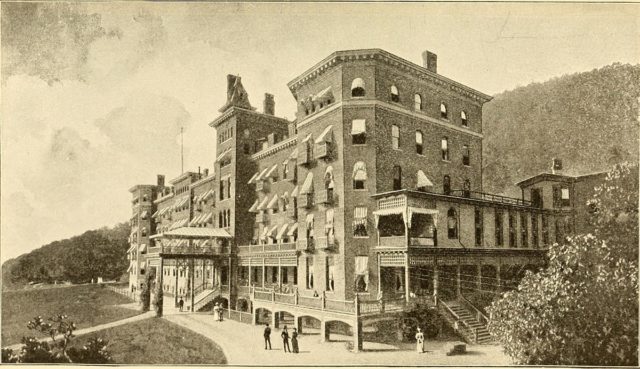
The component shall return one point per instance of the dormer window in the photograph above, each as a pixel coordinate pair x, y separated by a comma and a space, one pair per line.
357, 88
443, 111
395, 96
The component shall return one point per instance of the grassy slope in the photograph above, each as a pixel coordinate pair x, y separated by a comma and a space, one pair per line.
157, 341
86, 305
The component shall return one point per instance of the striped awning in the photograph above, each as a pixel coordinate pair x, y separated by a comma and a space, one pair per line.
272, 231
273, 203
144, 214
224, 155
306, 138
205, 218
195, 220
281, 231
259, 177
292, 229
155, 214
180, 202
263, 203
360, 171
326, 135
358, 126
294, 154
198, 232
142, 247
254, 207
307, 186
253, 178
271, 172
294, 193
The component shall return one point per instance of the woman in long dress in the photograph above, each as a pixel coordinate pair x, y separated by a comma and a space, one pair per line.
294, 341
419, 341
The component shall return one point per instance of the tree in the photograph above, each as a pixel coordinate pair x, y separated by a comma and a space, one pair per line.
158, 300
583, 308
145, 293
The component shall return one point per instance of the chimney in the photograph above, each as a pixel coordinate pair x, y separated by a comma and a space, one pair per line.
160, 180
231, 81
205, 172
269, 106
556, 166
430, 61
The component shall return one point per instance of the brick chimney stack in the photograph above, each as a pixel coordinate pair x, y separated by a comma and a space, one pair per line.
556, 166
269, 104
160, 181
430, 61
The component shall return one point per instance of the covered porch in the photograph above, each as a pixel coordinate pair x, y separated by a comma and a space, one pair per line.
194, 265
405, 222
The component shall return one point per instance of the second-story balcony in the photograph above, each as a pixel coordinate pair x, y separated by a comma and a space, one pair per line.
189, 241
272, 247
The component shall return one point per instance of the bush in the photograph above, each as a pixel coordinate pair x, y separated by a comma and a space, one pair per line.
58, 351
145, 293
158, 300
421, 316
481, 300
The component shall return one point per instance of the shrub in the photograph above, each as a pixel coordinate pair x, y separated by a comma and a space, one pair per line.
158, 300
420, 316
145, 293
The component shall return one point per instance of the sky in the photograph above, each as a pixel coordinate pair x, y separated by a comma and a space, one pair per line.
93, 95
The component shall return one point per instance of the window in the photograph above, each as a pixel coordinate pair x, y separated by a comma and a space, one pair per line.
443, 111
246, 148
512, 230
328, 182
478, 222
444, 145
359, 175
358, 132
419, 140
524, 230
395, 96
465, 155
221, 190
285, 170
360, 221
463, 119
309, 272
329, 268
452, 223
329, 230
446, 185
362, 273
274, 274
534, 230
466, 188
564, 195
397, 178
499, 226
357, 88
395, 137
545, 230
536, 197
229, 188
417, 102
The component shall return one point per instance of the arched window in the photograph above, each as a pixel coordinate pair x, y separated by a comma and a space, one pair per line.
397, 177
357, 88
417, 102
463, 118
452, 223
444, 145
446, 185
465, 155
395, 137
328, 182
466, 188
443, 111
359, 175
419, 147
395, 96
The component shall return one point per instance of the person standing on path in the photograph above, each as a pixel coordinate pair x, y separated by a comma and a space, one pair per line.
181, 303
267, 337
220, 312
419, 341
216, 311
285, 339
294, 341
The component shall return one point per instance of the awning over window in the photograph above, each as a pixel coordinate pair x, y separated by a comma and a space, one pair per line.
360, 171
294, 154
358, 126
307, 186
406, 212
254, 207
179, 223
144, 214
205, 218
206, 195
413, 210
253, 178
194, 221
423, 181
309, 221
259, 177
130, 266
326, 135
281, 231
143, 264
294, 193
306, 138
271, 171
273, 203
323, 95
225, 154
360, 215
263, 203
143, 247
329, 219
131, 248
362, 265
155, 214
293, 229
180, 202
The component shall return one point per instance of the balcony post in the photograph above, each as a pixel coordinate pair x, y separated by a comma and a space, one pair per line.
498, 287
458, 289
295, 296
322, 300
406, 276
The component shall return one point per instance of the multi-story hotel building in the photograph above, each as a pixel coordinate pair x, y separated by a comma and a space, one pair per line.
371, 198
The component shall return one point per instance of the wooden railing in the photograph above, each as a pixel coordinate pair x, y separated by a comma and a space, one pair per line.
122, 291
469, 333
480, 317
195, 250
490, 197
239, 316
204, 300
306, 245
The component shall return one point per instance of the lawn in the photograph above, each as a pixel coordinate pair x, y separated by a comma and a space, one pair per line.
86, 305
157, 341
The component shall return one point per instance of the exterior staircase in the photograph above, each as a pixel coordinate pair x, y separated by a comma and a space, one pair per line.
203, 297
472, 324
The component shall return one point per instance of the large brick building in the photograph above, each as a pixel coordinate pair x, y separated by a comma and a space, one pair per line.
370, 198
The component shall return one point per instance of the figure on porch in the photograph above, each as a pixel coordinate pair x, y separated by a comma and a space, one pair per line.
419, 341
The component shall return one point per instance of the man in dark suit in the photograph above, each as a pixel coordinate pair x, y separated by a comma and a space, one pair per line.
267, 337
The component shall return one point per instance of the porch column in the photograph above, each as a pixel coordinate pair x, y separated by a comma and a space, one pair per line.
406, 277
325, 332
161, 301
297, 324
229, 271
204, 280
435, 283
458, 289
250, 276
279, 275
264, 272
175, 294
192, 278
357, 335
479, 277
499, 287
379, 275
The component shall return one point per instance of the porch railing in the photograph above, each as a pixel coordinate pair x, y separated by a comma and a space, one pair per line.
273, 247
239, 316
490, 197
480, 317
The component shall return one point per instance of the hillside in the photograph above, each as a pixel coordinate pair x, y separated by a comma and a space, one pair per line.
589, 120
95, 253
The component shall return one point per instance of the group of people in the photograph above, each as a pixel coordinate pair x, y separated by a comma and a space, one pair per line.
285, 339
218, 311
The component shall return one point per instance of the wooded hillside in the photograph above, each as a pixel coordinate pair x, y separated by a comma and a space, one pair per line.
589, 120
